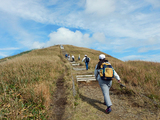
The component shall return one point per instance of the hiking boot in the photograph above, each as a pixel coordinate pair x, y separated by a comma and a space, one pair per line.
108, 110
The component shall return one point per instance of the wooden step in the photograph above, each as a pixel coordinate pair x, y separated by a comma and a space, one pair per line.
72, 61
86, 78
78, 69
76, 64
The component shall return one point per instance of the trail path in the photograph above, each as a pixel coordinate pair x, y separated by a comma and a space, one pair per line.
92, 107
59, 100
91, 93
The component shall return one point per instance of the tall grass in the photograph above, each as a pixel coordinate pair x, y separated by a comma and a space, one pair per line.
146, 76
27, 82
141, 78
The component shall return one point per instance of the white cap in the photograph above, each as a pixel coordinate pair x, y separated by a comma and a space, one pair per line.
85, 55
101, 56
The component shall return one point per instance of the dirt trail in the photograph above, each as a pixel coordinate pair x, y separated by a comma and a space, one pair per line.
59, 100
121, 109
92, 106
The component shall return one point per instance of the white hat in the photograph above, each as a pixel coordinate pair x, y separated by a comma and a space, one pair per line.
85, 55
101, 56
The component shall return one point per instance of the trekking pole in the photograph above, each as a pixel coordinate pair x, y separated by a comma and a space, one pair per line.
121, 85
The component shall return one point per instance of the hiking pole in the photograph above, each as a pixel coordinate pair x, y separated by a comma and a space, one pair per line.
121, 85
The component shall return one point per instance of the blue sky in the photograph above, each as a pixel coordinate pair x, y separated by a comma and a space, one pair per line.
125, 29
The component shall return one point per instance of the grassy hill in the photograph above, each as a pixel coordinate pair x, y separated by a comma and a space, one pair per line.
139, 76
29, 81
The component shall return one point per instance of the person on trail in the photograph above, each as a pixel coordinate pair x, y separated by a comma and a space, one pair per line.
72, 57
86, 60
104, 73
68, 57
79, 57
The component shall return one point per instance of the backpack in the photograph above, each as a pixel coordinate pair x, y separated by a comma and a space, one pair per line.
87, 59
106, 71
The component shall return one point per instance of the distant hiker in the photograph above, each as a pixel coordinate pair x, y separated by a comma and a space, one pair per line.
72, 57
62, 47
79, 57
86, 60
104, 73
68, 57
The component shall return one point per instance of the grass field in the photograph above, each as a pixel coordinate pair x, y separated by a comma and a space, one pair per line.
28, 81
140, 77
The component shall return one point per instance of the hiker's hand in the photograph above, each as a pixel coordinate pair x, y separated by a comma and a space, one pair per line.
119, 81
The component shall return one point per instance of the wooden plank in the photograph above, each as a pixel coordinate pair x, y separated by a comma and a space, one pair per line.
75, 64
79, 68
85, 76
86, 80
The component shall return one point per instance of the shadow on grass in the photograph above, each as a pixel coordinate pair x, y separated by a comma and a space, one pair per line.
92, 102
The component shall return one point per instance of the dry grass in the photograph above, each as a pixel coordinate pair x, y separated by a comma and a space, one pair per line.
141, 78
28, 81
93, 54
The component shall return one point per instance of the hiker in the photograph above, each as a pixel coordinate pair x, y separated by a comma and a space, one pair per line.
105, 81
72, 57
86, 60
79, 57
68, 57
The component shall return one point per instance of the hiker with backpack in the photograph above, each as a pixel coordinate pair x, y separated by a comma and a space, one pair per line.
86, 60
68, 57
72, 57
79, 57
104, 73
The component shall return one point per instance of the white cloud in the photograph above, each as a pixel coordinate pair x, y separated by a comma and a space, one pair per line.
132, 57
3, 55
153, 58
100, 37
155, 3
37, 45
19, 35
11, 48
143, 49
100, 7
65, 36
151, 43
125, 24
153, 40
27, 9
148, 48
51, 2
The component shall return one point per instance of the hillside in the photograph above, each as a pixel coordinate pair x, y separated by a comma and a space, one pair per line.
38, 85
